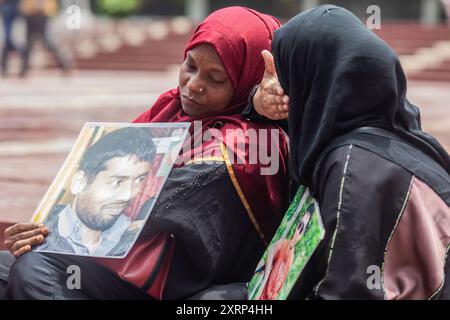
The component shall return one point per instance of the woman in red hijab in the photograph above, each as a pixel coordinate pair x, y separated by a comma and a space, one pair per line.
220, 205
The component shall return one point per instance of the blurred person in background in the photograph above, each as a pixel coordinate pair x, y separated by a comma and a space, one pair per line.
37, 14
446, 4
9, 12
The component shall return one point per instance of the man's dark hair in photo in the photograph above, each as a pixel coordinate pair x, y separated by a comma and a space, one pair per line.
119, 143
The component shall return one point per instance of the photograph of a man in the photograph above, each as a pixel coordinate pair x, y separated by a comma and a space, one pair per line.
109, 176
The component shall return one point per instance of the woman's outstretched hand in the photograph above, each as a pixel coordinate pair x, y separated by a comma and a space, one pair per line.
270, 100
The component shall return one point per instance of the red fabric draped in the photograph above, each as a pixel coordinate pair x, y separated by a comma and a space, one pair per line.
238, 35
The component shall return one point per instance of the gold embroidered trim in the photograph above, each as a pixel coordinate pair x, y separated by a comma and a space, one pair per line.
206, 159
339, 206
443, 280
240, 193
392, 233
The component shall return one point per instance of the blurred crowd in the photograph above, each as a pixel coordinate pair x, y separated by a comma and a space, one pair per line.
36, 14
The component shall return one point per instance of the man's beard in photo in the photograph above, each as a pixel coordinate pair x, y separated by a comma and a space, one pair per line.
94, 221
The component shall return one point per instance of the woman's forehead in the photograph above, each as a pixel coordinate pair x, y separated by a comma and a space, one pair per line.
206, 53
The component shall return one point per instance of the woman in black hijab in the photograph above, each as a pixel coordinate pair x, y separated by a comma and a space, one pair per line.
383, 185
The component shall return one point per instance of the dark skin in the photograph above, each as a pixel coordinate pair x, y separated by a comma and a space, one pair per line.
205, 87
20, 237
204, 84
270, 100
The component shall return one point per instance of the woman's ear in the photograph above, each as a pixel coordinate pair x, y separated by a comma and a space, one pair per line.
79, 182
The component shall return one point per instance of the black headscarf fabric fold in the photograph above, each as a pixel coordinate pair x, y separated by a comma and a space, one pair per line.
340, 76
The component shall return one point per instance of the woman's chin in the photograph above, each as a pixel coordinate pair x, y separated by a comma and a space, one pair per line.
190, 111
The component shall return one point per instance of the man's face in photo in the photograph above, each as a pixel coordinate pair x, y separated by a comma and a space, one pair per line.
107, 194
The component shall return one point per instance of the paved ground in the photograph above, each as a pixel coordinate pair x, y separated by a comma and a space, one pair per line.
41, 116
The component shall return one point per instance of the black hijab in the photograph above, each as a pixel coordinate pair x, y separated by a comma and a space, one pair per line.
339, 77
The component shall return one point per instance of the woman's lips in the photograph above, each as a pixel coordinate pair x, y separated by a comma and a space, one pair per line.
189, 102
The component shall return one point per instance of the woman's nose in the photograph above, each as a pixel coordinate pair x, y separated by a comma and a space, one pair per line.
195, 85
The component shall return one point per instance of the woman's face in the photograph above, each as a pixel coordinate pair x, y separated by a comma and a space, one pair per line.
204, 84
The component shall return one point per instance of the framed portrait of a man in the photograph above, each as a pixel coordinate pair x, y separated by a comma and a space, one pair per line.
105, 191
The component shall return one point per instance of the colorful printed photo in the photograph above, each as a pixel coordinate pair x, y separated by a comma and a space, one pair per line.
105, 191
294, 242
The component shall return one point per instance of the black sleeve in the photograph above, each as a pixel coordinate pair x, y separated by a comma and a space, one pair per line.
331, 172
360, 196
232, 291
215, 241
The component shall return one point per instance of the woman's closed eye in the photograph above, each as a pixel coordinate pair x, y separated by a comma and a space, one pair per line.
217, 80
190, 66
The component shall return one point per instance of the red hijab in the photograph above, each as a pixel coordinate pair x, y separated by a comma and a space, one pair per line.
238, 35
